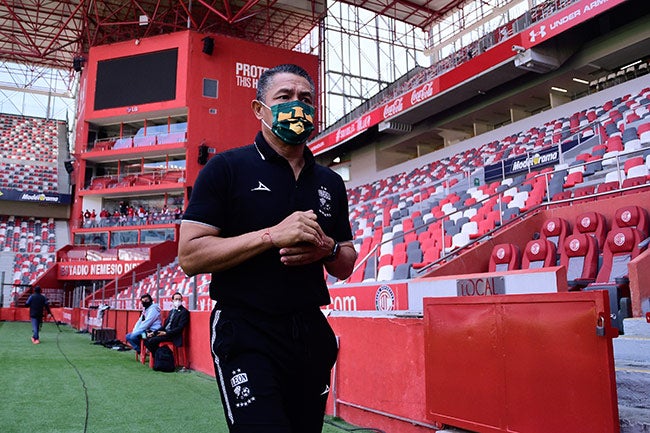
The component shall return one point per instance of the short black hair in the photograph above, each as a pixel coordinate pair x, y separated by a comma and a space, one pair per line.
37, 289
146, 295
179, 294
265, 78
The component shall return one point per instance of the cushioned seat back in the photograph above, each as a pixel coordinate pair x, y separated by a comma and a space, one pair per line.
580, 257
594, 224
539, 253
632, 216
555, 230
504, 257
621, 246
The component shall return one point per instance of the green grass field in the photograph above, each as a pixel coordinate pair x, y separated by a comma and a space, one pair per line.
67, 384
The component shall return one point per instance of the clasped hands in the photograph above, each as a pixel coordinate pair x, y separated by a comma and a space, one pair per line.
155, 333
300, 239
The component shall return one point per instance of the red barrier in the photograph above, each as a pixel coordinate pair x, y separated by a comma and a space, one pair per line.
521, 363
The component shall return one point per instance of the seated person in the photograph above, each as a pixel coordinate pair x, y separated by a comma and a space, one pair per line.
149, 321
172, 329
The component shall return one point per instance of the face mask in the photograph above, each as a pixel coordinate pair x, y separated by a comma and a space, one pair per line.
293, 121
177, 303
146, 304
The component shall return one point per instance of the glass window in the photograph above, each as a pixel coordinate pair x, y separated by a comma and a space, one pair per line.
95, 238
156, 236
210, 88
127, 237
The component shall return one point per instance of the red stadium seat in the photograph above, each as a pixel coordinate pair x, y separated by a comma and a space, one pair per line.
579, 255
621, 246
594, 224
555, 230
539, 253
504, 257
632, 216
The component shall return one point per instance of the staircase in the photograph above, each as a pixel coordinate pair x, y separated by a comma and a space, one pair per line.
632, 362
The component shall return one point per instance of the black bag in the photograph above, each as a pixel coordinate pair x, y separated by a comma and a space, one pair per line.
164, 360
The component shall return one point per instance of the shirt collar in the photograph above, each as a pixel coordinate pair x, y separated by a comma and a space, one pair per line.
267, 153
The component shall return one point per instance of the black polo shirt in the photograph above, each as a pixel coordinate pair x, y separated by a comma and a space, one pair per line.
252, 188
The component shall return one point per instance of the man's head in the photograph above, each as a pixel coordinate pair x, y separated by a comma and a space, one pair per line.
267, 77
177, 299
285, 105
146, 300
37, 289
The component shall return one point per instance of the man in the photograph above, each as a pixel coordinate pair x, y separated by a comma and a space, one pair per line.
37, 303
149, 321
264, 219
172, 329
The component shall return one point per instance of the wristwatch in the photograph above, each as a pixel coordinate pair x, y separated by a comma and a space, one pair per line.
334, 253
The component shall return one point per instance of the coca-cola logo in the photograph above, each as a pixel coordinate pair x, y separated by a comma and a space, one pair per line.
419, 95
393, 108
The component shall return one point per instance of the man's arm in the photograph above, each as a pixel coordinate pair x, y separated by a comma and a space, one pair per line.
343, 264
150, 319
201, 249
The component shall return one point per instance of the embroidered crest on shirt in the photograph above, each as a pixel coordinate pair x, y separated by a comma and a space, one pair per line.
325, 202
242, 392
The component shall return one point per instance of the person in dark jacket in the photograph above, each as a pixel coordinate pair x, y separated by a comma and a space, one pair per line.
172, 329
37, 303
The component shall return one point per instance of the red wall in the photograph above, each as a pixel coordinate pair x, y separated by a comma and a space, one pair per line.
237, 65
220, 123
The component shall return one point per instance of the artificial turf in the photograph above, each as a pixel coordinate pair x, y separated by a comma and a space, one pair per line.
68, 384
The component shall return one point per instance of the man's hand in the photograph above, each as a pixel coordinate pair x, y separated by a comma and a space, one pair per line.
298, 229
305, 253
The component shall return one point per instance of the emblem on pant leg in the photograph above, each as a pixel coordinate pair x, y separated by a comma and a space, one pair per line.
242, 392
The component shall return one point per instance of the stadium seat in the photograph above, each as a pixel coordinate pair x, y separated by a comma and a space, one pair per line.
579, 255
539, 253
180, 352
555, 230
607, 186
635, 181
621, 246
402, 272
504, 257
632, 216
594, 224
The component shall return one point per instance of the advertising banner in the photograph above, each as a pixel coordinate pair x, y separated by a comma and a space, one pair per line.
34, 197
99, 270
378, 297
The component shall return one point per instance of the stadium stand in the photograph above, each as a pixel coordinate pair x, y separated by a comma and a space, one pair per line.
29, 151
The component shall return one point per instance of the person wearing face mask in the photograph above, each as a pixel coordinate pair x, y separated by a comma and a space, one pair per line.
266, 220
149, 321
172, 328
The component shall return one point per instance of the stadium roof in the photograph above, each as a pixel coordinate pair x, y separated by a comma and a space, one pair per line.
52, 33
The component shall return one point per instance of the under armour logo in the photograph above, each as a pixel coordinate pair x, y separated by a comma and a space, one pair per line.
261, 187
533, 34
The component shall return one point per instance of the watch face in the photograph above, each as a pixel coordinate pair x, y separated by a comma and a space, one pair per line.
334, 252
